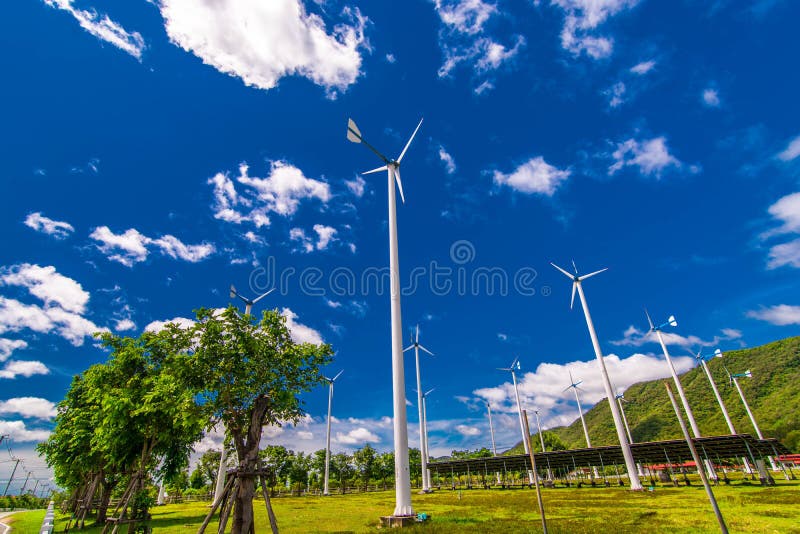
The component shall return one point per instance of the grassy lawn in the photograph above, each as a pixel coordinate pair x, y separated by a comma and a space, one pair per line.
747, 508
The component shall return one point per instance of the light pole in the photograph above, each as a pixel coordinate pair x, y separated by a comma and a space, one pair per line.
633, 476
5, 491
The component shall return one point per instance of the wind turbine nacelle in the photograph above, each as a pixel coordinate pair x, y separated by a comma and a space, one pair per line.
718, 353
233, 291
671, 321
747, 374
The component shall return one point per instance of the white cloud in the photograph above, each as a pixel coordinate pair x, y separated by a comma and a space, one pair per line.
15, 368
131, 246
325, 234
300, 332
785, 211
17, 431
534, 176
465, 16
644, 67
356, 186
124, 325
157, 326
633, 337
711, 98
48, 285
543, 389
650, 156
29, 407
358, 436
103, 28
304, 434
781, 315
280, 192
8, 346
390, 58
40, 223
447, 159
484, 86
616, 94
465, 430
583, 16
791, 151
484, 53
261, 42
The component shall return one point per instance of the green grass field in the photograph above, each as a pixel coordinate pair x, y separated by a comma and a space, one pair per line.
747, 508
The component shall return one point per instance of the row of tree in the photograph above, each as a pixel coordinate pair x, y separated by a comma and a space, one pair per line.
138, 415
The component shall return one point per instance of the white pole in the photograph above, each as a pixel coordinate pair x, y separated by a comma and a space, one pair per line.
325, 490
491, 428
426, 473
583, 422
423, 462
624, 419
747, 408
719, 398
678, 386
525, 439
160, 499
223, 464
401, 471
539, 426
633, 476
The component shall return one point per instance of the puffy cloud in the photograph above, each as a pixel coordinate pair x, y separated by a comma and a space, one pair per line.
261, 42
29, 407
15, 368
615, 94
784, 254
131, 246
8, 346
786, 212
356, 436
300, 332
17, 431
633, 337
711, 98
124, 325
465, 16
157, 326
583, 16
356, 186
643, 68
466, 430
447, 160
791, 151
103, 28
650, 156
40, 223
325, 234
280, 192
48, 285
534, 176
781, 315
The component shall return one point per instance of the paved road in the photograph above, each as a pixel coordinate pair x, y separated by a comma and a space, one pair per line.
3, 527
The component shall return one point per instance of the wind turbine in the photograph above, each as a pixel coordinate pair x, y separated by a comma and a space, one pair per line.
515, 366
633, 476
415, 344
328, 434
491, 428
541, 440
403, 506
424, 457
620, 397
574, 386
700, 358
248, 303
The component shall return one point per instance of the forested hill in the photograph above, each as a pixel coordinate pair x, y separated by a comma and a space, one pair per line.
773, 394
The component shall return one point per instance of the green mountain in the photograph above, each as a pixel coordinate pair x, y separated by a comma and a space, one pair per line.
773, 394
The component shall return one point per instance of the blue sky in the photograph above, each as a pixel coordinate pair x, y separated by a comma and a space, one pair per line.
156, 152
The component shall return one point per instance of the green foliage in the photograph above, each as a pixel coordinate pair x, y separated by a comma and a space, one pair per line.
197, 480
364, 461
772, 393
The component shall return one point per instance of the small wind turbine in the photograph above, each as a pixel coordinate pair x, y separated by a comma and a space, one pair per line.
577, 280
620, 399
328, 434
248, 303
424, 455
541, 440
415, 344
491, 428
402, 476
515, 367
574, 386
702, 360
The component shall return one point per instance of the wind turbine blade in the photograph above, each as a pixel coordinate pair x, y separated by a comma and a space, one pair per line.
579, 382
585, 276
566, 388
408, 348
375, 170
570, 276
403, 153
399, 184
428, 392
262, 296
574, 266
426, 350
353, 133
233, 291
516, 359
649, 320
572, 300
417, 339
503, 368
337, 375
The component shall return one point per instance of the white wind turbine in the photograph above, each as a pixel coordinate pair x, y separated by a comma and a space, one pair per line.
541, 440
403, 506
328, 434
515, 366
491, 428
415, 344
620, 397
424, 455
700, 358
248, 303
633, 476
574, 386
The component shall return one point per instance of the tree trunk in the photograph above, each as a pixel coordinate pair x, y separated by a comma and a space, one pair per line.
105, 498
247, 452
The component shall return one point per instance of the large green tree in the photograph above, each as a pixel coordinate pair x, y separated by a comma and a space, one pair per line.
248, 375
364, 460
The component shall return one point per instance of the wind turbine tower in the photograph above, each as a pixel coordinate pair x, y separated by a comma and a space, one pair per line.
403, 508
328, 433
491, 428
515, 367
633, 476
415, 344
574, 386
424, 455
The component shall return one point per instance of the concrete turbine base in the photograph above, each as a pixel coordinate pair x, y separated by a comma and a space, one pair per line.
398, 521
